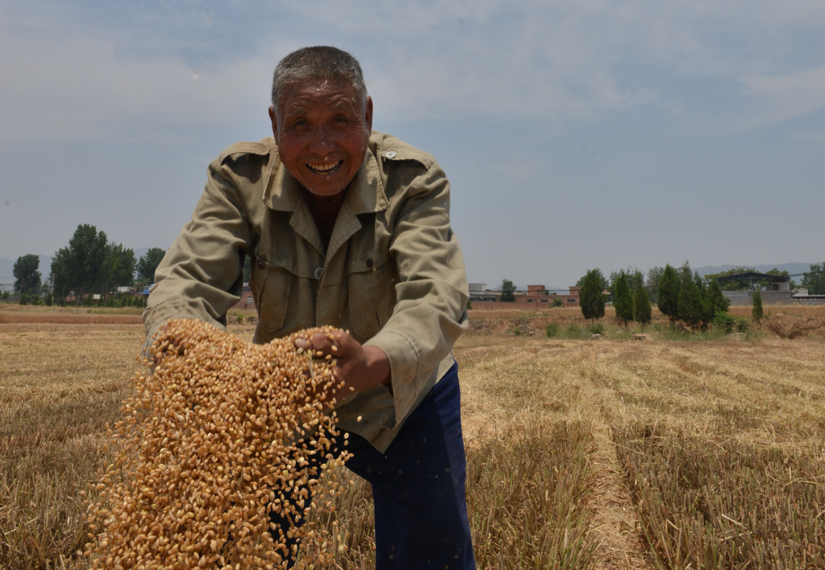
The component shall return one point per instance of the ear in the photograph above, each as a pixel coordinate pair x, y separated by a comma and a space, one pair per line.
368, 113
273, 118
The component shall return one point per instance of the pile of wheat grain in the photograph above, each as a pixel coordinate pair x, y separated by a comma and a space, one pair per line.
221, 433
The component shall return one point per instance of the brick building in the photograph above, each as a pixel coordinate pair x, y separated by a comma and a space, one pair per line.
536, 297
247, 302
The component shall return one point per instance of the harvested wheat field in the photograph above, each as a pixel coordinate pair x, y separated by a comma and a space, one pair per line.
678, 451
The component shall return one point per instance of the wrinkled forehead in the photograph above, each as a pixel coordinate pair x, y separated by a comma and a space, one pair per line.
312, 93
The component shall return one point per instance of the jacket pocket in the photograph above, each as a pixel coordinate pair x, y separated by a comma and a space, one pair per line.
273, 298
370, 293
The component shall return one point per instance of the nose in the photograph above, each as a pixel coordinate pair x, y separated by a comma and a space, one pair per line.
322, 142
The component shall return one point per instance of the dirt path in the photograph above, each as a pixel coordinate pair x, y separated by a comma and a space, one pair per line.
614, 522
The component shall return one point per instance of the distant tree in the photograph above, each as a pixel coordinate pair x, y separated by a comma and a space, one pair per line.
642, 313
48, 300
247, 270
557, 303
718, 301
705, 302
469, 306
120, 268
690, 308
814, 280
669, 285
81, 267
630, 276
147, 265
590, 296
23, 299
26, 274
6, 295
654, 274
756, 311
603, 282
507, 291
623, 300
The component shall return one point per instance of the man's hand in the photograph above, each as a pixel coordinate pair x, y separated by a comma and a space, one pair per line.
359, 367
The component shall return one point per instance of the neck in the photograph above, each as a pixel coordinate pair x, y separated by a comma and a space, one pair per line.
324, 210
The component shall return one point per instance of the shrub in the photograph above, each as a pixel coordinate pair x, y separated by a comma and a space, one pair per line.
572, 331
557, 303
595, 328
551, 330
24, 299
49, 299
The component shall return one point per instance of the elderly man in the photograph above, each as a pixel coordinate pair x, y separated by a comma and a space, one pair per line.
351, 228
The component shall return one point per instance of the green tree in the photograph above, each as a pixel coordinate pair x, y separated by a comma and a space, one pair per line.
603, 282
149, 262
690, 309
120, 267
26, 274
630, 276
623, 300
642, 312
756, 311
654, 275
814, 280
81, 266
590, 296
718, 301
24, 299
705, 301
669, 293
49, 299
507, 291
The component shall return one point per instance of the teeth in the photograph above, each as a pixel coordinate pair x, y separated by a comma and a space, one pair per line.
325, 167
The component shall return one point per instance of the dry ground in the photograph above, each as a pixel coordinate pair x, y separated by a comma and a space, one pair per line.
582, 454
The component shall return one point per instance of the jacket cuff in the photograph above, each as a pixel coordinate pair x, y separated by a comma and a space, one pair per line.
155, 316
404, 360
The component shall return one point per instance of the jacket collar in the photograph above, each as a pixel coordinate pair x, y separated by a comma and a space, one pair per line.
365, 194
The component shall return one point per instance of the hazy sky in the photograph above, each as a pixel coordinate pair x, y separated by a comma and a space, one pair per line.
575, 134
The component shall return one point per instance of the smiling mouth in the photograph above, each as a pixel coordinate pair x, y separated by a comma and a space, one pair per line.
325, 169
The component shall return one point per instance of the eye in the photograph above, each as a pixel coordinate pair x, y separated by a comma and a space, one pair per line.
300, 124
340, 121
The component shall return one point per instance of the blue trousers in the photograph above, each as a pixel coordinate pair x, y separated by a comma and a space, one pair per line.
418, 486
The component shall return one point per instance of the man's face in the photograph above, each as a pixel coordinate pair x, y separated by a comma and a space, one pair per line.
322, 134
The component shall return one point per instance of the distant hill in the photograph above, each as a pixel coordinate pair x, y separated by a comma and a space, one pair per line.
792, 268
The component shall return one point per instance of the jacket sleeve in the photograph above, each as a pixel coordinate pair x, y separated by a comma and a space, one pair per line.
431, 292
201, 276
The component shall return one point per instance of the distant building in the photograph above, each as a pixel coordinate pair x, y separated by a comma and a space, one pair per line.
247, 301
480, 294
778, 292
536, 297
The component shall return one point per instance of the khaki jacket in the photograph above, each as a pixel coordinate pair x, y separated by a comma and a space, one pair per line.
393, 274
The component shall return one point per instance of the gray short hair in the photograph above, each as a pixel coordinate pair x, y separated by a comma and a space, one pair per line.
314, 63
